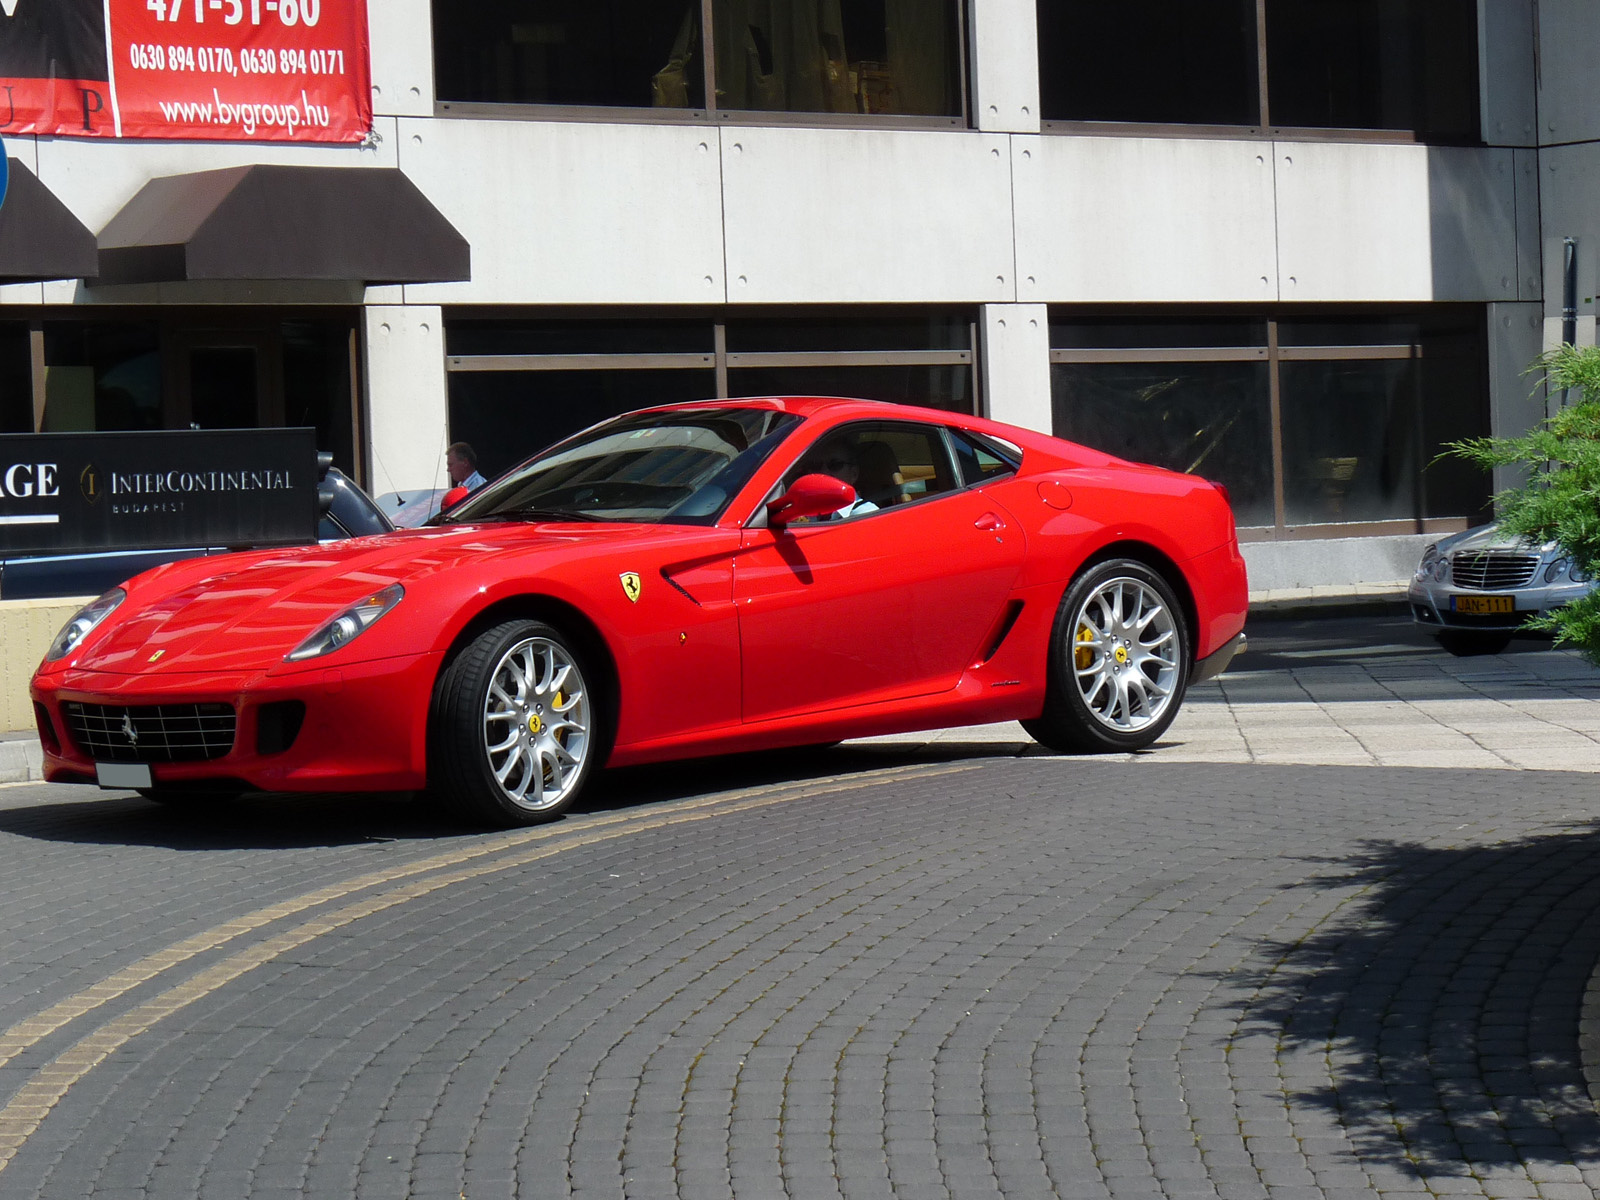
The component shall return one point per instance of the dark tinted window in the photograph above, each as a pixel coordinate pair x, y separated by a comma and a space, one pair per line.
852, 331
948, 388
16, 378
627, 53
1374, 64
888, 463
102, 375
860, 56
1170, 62
980, 459
1213, 419
508, 415
588, 335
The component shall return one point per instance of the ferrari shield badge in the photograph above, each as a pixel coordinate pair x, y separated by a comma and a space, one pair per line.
631, 587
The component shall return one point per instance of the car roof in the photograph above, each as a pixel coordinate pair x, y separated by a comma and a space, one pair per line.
845, 408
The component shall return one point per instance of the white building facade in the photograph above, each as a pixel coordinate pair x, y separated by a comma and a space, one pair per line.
1295, 253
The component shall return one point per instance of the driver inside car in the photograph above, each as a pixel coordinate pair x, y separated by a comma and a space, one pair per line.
838, 458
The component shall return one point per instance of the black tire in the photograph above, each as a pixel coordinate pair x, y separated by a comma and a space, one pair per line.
1466, 643
1070, 723
462, 762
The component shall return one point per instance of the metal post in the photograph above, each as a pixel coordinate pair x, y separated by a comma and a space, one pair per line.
1569, 297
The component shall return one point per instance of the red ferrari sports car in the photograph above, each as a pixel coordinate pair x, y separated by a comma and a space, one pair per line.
690, 580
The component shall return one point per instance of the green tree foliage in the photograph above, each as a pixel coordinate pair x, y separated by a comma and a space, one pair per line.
1561, 501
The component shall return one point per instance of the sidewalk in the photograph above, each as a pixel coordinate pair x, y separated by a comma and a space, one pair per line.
21, 759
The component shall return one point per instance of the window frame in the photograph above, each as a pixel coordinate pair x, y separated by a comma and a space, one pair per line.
720, 359
711, 115
937, 433
1264, 129
1274, 354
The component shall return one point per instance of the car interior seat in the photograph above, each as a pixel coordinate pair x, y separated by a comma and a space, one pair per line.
879, 479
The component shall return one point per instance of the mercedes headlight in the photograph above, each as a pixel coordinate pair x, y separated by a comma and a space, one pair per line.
1430, 558
1556, 570
348, 625
83, 624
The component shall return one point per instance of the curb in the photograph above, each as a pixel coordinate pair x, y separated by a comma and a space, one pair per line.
21, 760
1301, 608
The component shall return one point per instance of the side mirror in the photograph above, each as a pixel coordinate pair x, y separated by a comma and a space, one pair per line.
810, 496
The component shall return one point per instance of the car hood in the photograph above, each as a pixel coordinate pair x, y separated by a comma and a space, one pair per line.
1486, 537
246, 611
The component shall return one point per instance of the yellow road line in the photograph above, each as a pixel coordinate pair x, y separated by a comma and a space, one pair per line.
30, 1030
35, 1099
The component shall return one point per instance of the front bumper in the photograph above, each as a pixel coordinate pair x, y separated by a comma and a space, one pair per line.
364, 730
1431, 605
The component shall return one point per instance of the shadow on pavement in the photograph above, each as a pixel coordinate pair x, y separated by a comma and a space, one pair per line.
1448, 1005
282, 821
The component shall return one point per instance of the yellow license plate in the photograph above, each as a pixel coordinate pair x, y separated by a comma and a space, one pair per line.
1484, 606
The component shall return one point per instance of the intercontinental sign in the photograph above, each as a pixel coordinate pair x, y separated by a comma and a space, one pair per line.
81, 492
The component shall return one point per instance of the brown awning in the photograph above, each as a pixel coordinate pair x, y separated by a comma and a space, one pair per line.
361, 224
39, 236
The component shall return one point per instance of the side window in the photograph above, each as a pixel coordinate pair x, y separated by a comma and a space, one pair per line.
980, 459
889, 463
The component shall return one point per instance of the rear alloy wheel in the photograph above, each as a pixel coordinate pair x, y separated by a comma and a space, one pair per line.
1469, 643
512, 736
1119, 662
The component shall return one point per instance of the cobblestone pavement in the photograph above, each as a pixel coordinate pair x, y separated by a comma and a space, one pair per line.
910, 969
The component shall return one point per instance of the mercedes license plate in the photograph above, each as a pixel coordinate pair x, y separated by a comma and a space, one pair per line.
1484, 606
122, 775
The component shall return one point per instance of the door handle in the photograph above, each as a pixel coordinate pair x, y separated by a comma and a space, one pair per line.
989, 522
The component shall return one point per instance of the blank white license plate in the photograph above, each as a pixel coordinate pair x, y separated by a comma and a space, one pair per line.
122, 775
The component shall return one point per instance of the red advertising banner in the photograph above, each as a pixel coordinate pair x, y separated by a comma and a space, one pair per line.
234, 70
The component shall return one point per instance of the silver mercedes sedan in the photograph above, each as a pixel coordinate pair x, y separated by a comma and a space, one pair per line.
1477, 588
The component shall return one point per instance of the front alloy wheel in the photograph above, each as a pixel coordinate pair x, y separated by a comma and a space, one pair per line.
1119, 661
513, 729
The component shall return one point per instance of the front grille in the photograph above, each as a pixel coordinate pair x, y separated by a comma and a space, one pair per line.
1492, 570
152, 733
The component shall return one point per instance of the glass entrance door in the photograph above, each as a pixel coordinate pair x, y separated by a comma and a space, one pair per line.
228, 379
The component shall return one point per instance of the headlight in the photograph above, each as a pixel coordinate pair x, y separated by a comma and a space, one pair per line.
1430, 556
82, 624
348, 625
1579, 575
1555, 570
1441, 569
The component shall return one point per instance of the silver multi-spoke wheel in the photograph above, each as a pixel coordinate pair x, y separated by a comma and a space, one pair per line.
1119, 661
536, 724
1125, 654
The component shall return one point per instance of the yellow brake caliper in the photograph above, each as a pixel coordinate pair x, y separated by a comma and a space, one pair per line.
1083, 656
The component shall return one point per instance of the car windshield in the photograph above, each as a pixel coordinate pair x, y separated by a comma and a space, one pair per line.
673, 468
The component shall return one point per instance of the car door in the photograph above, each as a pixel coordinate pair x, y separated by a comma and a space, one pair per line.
886, 602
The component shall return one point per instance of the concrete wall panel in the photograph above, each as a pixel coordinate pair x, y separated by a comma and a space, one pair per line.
1016, 364
408, 408
1516, 400
863, 216
1005, 65
1569, 180
1506, 71
1144, 219
1360, 222
1530, 272
562, 212
1569, 46
400, 33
